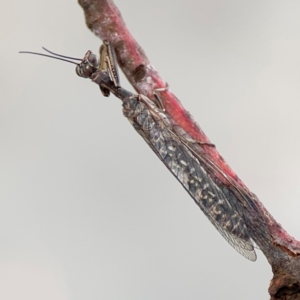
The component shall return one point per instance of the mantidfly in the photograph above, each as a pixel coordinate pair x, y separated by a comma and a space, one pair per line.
223, 204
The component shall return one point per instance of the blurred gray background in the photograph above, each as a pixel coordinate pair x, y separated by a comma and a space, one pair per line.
87, 211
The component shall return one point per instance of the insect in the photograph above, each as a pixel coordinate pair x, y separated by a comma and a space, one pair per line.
223, 205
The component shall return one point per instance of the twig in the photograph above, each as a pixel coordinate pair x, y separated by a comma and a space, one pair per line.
281, 250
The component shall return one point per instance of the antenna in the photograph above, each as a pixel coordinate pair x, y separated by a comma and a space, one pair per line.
54, 55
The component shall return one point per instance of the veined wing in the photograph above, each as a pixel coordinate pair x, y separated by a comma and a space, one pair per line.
218, 203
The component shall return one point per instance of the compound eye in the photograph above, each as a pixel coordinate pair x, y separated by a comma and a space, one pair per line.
93, 60
79, 70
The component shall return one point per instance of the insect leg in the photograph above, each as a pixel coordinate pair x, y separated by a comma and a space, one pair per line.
108, 64
159, 102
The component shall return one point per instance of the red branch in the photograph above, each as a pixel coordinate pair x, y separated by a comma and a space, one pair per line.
281, 250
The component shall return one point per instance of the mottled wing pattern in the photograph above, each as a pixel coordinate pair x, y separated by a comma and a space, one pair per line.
218, 203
